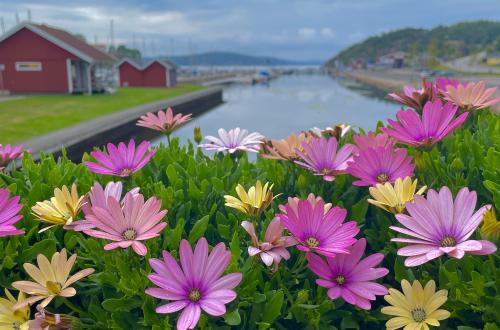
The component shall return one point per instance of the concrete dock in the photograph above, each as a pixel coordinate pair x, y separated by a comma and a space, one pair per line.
119, 126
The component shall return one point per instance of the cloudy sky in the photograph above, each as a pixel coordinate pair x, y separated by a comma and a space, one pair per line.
294, 29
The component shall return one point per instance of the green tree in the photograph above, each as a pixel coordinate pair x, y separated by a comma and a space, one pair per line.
123, 51
414, 55
497, 45
432, 53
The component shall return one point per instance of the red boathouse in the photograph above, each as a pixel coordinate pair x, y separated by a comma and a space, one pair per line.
156, 73
38, 58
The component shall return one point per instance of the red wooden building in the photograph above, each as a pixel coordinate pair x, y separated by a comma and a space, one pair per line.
42, 59
156, 73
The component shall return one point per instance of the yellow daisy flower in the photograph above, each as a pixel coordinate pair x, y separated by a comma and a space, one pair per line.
10, 318
393, 198
253, 202
415, 308
491, 226
61, 209
51, 279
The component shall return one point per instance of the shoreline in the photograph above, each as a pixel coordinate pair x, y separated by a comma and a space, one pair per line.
387, 84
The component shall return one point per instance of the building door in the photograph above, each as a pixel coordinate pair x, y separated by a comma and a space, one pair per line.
80, 76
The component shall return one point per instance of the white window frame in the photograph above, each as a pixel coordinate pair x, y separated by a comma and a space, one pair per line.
37, 66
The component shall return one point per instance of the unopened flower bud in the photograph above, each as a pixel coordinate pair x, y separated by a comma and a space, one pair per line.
197, 135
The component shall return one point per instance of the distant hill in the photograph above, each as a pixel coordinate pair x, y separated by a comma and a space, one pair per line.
449, 42
228, 58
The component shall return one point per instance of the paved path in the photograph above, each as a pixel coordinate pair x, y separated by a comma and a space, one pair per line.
4, 98
470, 64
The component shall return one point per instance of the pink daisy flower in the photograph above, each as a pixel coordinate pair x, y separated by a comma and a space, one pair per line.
273, 248
293, 202
318, 231
10, 153
440, 225
235, 139
372, 140
321, 157
163, 121
443, 82
415, 98
98, 197
122, 160
437, 122
196, 286
350, 277
380, 165
471, 96
9, 214
127, 226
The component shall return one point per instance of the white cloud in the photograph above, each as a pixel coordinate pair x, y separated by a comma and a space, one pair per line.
327, 32
307, 33
305, 30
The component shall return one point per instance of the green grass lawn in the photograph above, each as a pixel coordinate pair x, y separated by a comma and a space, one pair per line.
26, 118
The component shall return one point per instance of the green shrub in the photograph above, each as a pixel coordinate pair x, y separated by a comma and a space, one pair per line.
191, 186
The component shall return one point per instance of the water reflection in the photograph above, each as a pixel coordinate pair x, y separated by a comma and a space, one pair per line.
291, 104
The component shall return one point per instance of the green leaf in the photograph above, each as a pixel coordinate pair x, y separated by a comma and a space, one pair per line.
199, 229
123, 304
46, 247
273, 307
401, 271
218, 184
233, 318
172, 174
176, 234
349, 323
359, 210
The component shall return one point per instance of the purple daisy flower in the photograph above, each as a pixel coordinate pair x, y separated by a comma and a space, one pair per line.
380, 165
322, 158
350, 277
233, 140
9, 214
198, 285
318, 231
440, 225
121, 160
436, 123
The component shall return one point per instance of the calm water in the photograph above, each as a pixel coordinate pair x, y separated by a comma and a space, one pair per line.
291, 104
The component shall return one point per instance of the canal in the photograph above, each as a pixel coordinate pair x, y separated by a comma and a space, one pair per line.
291, 104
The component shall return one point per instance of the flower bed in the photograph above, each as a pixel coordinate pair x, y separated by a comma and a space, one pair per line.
328, 229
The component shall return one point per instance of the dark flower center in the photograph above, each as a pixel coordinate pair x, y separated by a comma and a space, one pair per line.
125, 172
382, 178
418, 314
312, 242
194, 295
448, 241
129, 234
340, 279
167, 127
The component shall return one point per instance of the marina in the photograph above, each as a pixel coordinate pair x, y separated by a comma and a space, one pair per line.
292, 103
